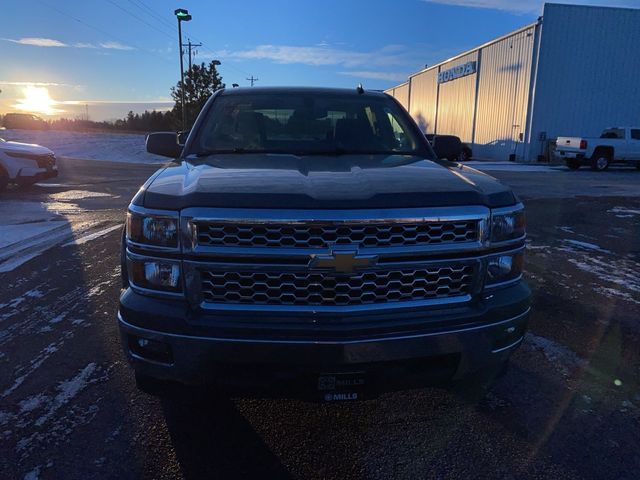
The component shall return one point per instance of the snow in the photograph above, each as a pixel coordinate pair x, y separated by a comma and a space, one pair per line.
586, 245
92, 236
77, 195
117, 147
627, 212
33, 474
564, 358
13, 234
512, 167
67, 391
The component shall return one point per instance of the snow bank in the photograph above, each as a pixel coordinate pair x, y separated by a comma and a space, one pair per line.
116, 147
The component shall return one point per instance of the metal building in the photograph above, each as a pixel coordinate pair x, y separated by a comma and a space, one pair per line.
573, 72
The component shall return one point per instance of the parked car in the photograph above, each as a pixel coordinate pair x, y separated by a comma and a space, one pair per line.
25, 121
25, 164
296, 244
463, 151
616, 144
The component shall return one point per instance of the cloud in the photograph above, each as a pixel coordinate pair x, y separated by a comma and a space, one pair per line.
34, 84
51, 42
115, 46
528, 6
320, 55
37, 42
376, 75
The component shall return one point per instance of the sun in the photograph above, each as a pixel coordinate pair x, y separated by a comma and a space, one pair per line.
37, 100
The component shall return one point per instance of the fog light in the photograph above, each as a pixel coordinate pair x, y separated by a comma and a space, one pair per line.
155, 274
504, 268
150, 349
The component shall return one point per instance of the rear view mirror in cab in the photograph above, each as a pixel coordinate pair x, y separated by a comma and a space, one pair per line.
164, 144
447, 146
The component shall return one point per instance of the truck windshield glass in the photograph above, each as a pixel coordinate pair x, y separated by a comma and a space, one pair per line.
306, 124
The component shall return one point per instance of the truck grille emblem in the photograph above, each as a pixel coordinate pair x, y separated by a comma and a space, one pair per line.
343, 261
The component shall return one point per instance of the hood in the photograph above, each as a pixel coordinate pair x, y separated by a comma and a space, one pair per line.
321, 182
24, 148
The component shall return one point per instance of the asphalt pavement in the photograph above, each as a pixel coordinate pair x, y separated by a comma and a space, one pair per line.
568, 407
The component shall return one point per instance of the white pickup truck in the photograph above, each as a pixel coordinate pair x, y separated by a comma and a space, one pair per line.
617, 144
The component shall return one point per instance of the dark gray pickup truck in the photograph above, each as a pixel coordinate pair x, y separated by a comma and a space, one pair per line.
310, 240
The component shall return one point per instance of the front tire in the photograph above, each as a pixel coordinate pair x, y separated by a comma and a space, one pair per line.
600, 162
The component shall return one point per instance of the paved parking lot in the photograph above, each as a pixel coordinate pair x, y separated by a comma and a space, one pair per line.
569, 407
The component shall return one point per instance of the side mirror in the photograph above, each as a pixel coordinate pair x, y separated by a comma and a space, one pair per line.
447, 146
164, 144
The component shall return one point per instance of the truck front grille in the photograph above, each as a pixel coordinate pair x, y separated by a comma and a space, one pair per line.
310, 235
317, 288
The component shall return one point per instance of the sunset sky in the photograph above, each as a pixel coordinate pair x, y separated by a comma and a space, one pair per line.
111, 56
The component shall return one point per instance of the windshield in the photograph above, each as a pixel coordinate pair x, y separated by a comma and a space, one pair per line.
306, 124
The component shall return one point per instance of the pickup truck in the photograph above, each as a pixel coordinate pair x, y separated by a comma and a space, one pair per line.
617, 144
310, 241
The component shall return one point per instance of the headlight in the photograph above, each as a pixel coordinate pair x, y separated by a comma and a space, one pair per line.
507, 224
155, 274
157, 230
504, 268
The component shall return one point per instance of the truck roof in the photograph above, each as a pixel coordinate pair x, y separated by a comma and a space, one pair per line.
301, 90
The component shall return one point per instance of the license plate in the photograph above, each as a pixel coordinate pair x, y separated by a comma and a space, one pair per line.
341, 387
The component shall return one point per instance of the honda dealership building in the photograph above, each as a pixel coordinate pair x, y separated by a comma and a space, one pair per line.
572, 73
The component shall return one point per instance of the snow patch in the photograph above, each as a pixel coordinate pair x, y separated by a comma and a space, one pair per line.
118, 147
586, 245
92, 236
33, 474
561, 356
77, 195
625, 211
32, 403
67, 390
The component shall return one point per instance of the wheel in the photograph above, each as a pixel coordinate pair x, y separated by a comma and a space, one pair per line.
573, 164
600, 161
4, 179
465, 155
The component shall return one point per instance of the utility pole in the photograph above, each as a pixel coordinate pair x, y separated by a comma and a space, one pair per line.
183, 16
253, 80
190, 46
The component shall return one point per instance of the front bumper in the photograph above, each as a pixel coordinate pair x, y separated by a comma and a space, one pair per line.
200, 348
34, 175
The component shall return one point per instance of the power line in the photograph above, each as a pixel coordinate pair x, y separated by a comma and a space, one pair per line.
140, 4
140, 19
149, 11
252, 80
97, 29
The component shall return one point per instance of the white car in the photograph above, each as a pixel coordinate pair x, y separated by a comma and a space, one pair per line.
25, 164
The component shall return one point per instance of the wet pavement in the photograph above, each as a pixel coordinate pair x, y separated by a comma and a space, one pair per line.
568, 407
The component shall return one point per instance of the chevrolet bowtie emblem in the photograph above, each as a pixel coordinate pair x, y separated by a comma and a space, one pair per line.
345, 261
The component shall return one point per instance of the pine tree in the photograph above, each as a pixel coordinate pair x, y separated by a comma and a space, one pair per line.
199, 84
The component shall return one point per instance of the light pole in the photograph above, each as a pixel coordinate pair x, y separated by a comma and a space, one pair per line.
183, 16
